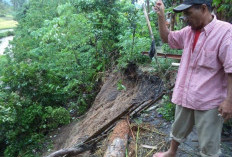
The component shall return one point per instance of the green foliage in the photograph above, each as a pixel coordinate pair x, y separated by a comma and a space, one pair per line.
23, 123
167, 49
223, 9
17, 4
5, 34
135, 37
5, 9
55, 117
167, 110
120, 86
51, 70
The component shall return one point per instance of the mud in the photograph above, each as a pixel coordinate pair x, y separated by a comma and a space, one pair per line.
110, 103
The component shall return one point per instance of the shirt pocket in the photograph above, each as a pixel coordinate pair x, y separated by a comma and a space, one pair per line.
208, 59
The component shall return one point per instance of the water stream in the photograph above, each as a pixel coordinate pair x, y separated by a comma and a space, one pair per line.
6, 30
4, 42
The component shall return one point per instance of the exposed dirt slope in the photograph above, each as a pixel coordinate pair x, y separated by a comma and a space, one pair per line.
110, 103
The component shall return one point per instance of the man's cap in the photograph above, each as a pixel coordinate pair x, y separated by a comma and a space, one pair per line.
188, 3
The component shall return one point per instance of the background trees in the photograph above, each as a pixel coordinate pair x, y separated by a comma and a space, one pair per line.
17, 4
4, 8
60, 50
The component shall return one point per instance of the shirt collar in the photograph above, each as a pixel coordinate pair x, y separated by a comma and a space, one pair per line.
209, 27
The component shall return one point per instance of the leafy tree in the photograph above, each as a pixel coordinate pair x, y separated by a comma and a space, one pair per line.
52, 68
223, 9
17, 4
4, 8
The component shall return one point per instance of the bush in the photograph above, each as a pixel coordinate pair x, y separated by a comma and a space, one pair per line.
51, 70
167, 109
55, 117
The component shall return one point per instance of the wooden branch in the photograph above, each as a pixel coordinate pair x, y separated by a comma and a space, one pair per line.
147, 104
148, 22
69, 152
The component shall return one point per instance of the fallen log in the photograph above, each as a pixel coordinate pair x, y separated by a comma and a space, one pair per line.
118, 140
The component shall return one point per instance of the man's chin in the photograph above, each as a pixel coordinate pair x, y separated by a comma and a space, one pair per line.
195, 28
192, 27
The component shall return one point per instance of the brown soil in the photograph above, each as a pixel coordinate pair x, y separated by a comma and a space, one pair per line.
148, 128
109, 104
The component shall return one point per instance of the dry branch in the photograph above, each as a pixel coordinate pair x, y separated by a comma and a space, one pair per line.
69, 152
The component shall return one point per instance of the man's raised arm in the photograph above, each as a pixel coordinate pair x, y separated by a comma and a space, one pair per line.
159, 9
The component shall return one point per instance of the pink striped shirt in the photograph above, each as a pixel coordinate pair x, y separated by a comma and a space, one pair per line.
201, 82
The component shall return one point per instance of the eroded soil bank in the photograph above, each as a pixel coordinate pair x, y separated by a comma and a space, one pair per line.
150, 130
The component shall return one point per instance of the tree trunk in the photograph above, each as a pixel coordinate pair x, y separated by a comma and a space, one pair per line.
173, 17
148, 9
118, 141
172, 22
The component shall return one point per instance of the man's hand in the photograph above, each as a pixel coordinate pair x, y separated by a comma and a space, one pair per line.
159, 8
225, 109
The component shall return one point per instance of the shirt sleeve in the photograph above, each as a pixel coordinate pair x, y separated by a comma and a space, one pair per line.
225, 52
176, 38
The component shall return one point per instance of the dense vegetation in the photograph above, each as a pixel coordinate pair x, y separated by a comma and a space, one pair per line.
5, 8
53, 70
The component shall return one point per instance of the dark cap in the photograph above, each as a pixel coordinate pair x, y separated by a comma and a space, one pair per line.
188, 3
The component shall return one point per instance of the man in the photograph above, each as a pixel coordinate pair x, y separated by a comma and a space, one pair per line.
203, 89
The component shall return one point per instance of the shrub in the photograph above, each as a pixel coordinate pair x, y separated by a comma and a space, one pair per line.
167, 109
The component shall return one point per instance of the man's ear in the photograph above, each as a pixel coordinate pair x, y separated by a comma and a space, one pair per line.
204, 8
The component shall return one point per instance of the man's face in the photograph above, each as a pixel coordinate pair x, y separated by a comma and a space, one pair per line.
194, 18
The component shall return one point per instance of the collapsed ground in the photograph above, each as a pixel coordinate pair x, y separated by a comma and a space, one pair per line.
149, 132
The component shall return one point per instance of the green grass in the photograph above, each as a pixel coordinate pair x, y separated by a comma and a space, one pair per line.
7, 23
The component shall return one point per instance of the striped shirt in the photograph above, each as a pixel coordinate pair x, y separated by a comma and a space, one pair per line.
201, 82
